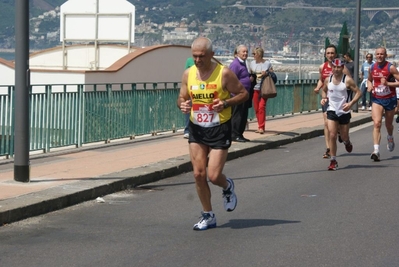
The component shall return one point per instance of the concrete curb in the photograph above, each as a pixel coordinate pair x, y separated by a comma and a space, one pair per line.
34, 204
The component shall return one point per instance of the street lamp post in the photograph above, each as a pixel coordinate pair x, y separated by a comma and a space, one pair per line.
22, 84
357, 47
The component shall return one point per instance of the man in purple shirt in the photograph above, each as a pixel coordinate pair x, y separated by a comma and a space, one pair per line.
240, 112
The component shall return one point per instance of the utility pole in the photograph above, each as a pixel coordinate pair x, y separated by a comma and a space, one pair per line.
22, 85
357, 48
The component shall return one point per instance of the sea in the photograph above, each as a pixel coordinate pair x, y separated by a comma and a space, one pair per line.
7, 56
287, 68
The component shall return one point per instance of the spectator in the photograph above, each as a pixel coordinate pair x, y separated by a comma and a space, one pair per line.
260, 67
240, 112
364, 74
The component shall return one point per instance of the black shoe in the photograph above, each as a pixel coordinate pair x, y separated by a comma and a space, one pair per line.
397, 119
327, 154
239, 139
246, 139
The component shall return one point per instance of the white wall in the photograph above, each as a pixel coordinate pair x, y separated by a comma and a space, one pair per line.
7, 75
165, 64
78, 57
83, 26
56, 78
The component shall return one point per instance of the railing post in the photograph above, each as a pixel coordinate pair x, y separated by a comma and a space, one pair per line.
81, 115
11, 93
47, 136
108, 113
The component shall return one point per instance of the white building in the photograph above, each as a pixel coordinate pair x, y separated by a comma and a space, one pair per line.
179, 35
162, 63
96, 60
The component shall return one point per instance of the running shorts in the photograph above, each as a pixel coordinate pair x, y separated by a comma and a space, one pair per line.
343, 119
387, 103
217, 137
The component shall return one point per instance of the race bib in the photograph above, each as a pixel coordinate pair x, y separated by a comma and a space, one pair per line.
382, 90
205, 116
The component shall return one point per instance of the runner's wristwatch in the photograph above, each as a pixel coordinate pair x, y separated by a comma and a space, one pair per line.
225, 104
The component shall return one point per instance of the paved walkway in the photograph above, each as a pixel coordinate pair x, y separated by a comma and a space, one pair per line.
64, 178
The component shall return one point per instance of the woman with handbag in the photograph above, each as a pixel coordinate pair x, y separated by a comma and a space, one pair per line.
260, 68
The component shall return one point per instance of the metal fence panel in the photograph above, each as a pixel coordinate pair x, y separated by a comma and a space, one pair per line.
6, 122
66, 115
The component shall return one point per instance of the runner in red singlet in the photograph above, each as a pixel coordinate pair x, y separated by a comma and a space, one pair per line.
381, 83
325, 71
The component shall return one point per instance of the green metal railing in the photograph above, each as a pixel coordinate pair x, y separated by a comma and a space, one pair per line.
6, 121
294, 96
74, 115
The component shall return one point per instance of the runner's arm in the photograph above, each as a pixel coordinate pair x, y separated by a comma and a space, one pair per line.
370, 86
320, 82
395, 73
324, 91
183, 100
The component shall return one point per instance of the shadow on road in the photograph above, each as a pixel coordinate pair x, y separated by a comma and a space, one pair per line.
249, 223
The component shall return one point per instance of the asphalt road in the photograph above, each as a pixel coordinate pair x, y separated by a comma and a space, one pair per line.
291, 212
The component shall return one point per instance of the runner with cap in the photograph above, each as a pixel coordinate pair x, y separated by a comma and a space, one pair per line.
336, 90
325, 70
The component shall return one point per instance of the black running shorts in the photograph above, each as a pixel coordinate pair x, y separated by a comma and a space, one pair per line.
343, 119
218, 137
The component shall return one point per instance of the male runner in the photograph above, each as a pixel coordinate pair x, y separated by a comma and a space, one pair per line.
381, 83
335, 92
209, 86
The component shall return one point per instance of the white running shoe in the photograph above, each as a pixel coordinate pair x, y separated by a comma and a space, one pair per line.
229, 196
206, 222
363, 107
186, 135
391, 144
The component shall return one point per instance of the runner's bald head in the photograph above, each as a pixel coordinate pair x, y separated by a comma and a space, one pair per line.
202, 43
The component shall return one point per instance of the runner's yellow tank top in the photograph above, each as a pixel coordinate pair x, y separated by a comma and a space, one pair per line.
202, 94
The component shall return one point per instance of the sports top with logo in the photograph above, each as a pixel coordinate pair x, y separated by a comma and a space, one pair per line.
326, 71
337, 96
202, 94
378, 72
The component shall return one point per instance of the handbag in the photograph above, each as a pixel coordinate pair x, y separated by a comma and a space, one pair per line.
267, 87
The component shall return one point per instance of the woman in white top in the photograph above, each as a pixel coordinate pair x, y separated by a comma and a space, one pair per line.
259, 66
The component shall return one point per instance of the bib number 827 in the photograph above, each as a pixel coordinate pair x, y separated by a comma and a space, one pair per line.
204, 117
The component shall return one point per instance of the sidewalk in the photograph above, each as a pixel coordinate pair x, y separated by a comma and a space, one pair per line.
65, 178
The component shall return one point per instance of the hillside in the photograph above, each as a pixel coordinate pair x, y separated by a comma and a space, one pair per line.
7, 12
283, 25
